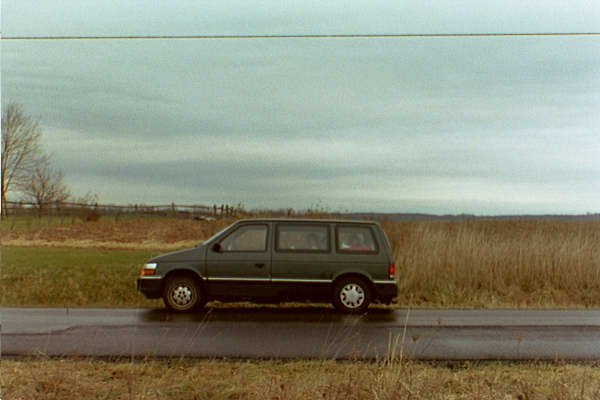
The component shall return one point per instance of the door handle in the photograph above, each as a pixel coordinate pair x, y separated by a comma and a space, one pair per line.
259, 265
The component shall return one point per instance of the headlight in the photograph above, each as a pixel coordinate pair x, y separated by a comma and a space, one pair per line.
149, 269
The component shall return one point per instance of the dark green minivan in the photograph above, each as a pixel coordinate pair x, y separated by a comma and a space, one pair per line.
348, 263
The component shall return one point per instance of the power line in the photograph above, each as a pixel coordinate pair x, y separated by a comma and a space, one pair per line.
301, 36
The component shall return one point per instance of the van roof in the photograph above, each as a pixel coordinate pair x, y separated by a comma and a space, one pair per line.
303, 220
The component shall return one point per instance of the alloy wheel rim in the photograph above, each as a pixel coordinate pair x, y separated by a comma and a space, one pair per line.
352, 295
182, 295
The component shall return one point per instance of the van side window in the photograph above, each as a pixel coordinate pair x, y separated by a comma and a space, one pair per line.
246, 238
302, 237
355, 239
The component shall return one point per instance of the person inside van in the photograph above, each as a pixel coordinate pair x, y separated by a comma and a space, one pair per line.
355, 242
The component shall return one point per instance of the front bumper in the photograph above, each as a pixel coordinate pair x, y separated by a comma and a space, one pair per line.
151, 287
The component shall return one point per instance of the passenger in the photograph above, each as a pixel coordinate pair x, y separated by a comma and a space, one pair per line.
356, 243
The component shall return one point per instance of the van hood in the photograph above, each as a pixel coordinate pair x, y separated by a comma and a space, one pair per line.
181, 255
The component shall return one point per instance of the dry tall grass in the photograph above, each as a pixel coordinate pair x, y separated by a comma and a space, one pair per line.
472, 263
498, 263
109, 233
189, 379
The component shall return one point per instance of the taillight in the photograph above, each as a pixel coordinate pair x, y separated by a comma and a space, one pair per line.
392, 271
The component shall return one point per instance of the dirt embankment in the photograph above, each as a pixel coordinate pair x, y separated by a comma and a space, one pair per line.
136, 233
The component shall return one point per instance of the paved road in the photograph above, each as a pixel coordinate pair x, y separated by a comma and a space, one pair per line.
302, 333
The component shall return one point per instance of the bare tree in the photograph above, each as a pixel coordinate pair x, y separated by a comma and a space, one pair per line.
45, 184
21, 149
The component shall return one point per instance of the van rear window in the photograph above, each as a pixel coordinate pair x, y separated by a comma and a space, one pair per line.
355, 239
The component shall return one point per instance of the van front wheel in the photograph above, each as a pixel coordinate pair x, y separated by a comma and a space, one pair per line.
182, 294
351, 295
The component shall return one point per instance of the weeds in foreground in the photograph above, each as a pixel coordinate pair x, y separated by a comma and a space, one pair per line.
194, 379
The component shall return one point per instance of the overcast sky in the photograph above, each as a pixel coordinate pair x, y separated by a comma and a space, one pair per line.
484, 125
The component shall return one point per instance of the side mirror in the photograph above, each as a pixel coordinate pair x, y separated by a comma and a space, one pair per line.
216, 247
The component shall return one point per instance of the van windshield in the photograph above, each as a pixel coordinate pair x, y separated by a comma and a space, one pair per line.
216, 234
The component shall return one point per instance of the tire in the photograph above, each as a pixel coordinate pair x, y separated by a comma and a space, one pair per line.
182, 294
351, 295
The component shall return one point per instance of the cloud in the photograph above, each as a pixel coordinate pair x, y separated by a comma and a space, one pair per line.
138, 17
493, 125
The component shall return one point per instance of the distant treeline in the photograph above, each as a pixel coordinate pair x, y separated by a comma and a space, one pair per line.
93, 211
406, 217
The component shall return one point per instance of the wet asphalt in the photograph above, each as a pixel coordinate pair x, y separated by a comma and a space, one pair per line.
302, 333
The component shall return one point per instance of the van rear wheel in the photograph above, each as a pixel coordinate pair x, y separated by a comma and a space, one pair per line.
351, 295
182, 294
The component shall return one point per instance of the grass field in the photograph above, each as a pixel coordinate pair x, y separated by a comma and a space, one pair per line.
189, 379
123, 232
71, 277
468, 264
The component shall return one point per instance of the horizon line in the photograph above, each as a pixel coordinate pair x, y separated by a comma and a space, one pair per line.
296, 36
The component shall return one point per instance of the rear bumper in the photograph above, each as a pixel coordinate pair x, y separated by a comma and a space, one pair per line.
151, 287
385, 291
